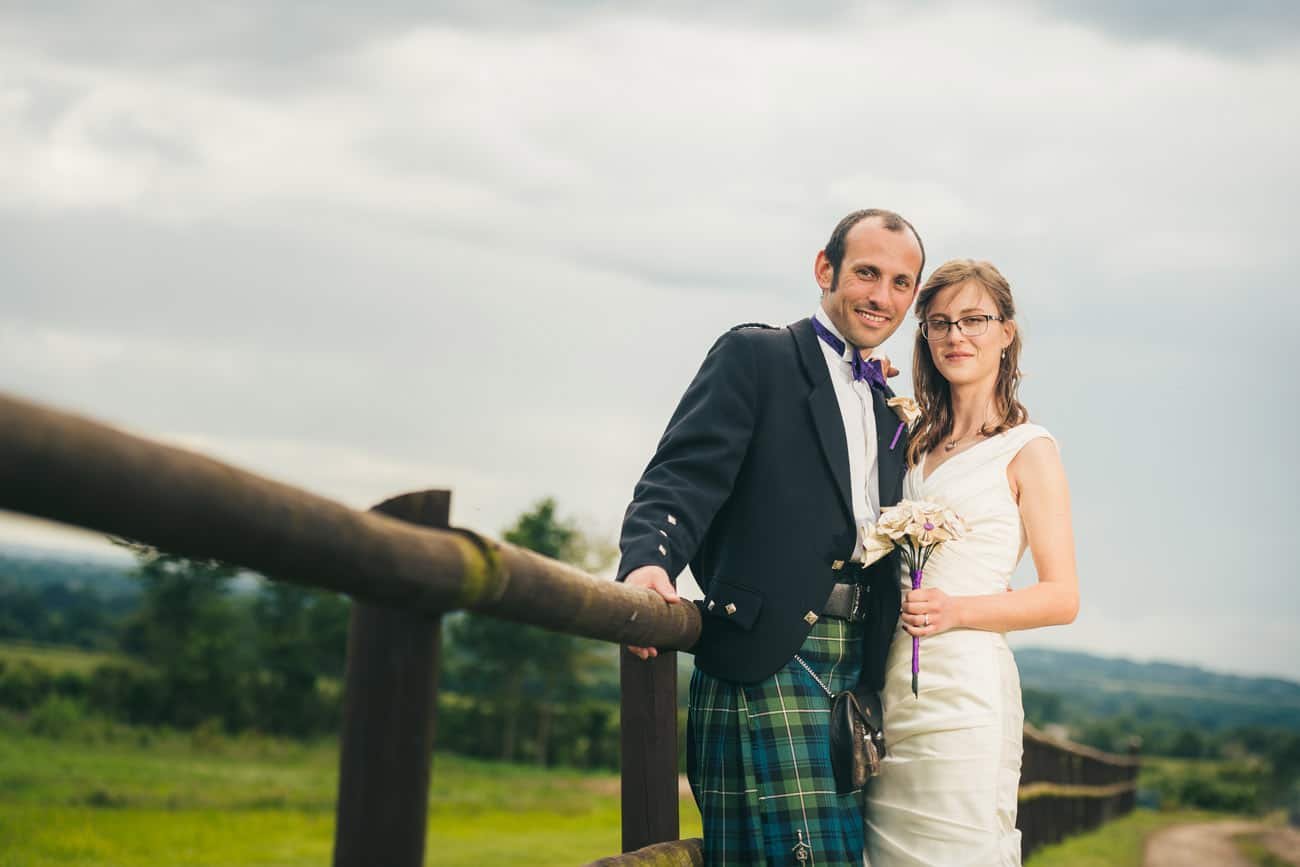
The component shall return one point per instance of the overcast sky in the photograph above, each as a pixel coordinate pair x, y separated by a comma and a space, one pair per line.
485, 246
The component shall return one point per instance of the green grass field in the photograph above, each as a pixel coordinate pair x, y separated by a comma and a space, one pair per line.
108, 794
148, 799
121, 796
59, 659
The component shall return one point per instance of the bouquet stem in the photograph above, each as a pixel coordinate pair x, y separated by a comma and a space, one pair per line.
916, 642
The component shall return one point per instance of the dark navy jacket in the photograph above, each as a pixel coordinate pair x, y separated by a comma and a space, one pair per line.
750, 486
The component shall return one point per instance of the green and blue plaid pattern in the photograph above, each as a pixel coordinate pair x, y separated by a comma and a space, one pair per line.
758, 759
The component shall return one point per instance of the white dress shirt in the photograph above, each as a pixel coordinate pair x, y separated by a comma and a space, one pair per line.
859, 429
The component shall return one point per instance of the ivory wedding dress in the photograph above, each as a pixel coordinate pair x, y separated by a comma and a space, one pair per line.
947, 792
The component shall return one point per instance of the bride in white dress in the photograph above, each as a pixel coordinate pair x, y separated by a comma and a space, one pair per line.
947, 792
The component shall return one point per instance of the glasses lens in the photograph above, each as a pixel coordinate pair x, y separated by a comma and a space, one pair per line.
973, 326
935, 329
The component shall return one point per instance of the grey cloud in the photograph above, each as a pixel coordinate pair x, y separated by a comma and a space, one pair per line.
278, 38
129, 136
1227, 28
291, 44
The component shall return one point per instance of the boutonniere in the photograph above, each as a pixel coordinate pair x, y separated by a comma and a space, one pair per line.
908, 412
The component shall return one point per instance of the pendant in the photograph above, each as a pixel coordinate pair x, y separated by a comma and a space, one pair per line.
949, 446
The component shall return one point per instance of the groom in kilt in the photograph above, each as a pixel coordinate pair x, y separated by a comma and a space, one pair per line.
780, 448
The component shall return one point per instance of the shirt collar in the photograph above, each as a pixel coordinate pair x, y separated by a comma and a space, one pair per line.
820, 315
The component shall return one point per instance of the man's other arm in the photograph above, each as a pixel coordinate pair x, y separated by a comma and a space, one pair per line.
693, 469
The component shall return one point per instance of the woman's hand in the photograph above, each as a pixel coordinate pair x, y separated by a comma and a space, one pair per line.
929, 611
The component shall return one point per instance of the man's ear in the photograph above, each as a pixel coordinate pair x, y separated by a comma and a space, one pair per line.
824, 272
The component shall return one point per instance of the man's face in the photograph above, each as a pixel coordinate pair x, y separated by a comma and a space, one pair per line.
877, 282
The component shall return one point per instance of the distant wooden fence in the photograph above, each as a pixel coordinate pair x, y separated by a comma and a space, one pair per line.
1067, 788
404, 568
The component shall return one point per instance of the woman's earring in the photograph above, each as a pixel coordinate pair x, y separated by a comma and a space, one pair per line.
1004, 354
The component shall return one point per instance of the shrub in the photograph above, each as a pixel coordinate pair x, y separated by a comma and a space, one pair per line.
56, 717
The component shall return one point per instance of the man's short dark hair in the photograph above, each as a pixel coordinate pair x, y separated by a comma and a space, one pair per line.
891, 221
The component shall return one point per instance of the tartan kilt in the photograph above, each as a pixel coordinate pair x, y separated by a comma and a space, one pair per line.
758, 760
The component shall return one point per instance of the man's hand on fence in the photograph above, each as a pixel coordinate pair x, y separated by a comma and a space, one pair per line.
657, 580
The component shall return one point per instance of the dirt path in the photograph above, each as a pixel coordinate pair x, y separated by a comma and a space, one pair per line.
1211, 844
1284, 843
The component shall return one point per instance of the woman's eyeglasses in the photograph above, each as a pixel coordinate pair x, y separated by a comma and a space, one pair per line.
971, 326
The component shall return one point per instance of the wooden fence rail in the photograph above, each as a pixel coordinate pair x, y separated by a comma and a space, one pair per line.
405, 568
1066, 788
59, 466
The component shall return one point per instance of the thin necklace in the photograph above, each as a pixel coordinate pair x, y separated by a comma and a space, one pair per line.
952, 443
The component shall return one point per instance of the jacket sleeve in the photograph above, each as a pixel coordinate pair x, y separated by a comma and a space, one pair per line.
695, 465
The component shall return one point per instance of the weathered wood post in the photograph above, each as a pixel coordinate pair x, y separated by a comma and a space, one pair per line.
390, 705
648, 743
1129, 799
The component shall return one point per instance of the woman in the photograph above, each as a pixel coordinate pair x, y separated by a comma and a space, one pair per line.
947, 793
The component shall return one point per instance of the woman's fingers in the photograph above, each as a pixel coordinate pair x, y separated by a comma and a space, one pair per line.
922, 624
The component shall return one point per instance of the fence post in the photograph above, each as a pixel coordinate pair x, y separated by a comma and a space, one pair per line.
390, 705
1129, 800
648, 743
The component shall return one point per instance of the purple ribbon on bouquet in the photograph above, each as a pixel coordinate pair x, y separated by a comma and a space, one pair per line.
916, 641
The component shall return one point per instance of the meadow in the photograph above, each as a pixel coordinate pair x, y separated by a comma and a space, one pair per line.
100, 793
103, 794
77, 788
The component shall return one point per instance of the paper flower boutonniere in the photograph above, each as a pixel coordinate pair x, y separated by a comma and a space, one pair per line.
908, 412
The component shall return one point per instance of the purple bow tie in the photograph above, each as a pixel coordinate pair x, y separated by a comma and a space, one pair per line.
862, 369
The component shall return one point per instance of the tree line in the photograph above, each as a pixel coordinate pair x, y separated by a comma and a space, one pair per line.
202, 644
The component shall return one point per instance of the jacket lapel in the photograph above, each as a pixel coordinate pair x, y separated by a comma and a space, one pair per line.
889, 462
825, 409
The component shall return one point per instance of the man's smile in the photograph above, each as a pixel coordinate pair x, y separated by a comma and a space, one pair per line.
871, 317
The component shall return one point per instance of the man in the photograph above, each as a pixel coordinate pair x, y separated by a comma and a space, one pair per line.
780, 448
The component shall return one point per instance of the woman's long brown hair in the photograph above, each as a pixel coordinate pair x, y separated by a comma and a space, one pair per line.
929, 386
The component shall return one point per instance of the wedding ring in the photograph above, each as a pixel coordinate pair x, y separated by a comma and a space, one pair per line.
927, 619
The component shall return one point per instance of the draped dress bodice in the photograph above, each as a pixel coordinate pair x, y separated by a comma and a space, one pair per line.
947, 792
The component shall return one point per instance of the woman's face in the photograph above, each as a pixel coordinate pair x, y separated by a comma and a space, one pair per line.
964, 358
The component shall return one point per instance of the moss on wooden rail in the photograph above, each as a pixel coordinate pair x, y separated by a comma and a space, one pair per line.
1030, 791
674, 853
